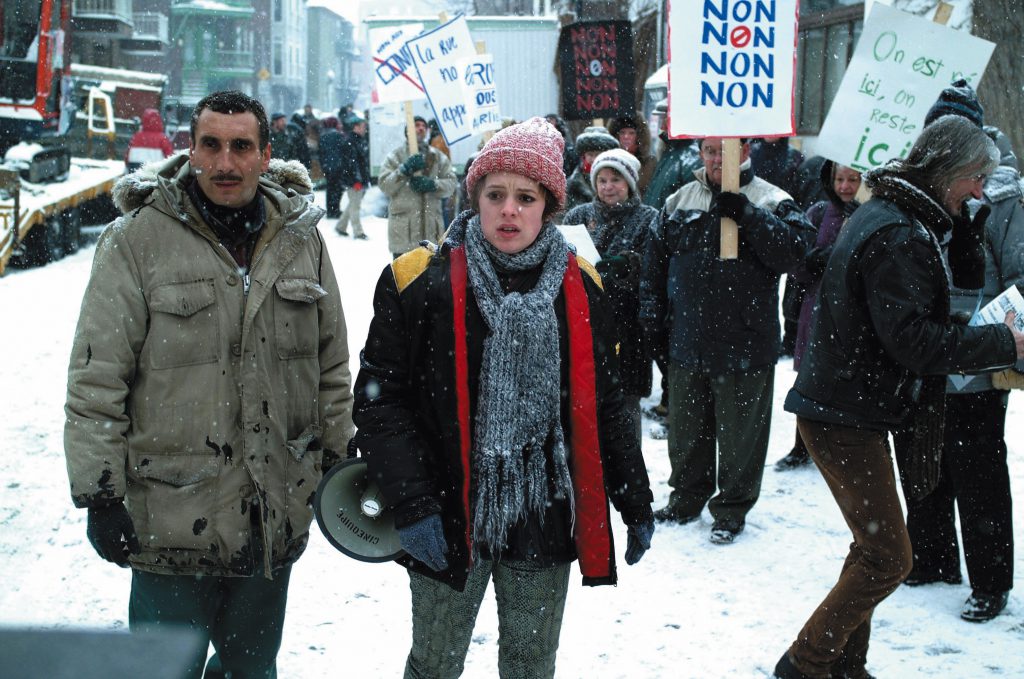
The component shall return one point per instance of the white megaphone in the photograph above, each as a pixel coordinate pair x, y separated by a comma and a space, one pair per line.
352, 515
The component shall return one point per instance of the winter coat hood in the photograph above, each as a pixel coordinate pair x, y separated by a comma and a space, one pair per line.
286, 183
643, 133
151, 121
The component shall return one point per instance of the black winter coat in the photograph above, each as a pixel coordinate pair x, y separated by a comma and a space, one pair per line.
882, 322
712, 315
341, 154
407, 414
620, 234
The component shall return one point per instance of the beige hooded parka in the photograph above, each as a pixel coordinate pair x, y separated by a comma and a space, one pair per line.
198, 393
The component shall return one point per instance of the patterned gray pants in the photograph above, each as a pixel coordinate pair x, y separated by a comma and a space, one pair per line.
530, 601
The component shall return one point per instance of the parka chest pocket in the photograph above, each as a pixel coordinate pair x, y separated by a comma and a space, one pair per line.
184, 328
296, 326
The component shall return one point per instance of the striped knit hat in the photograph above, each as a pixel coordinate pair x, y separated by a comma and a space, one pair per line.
958, 99
620, 160
595, 138
532, 149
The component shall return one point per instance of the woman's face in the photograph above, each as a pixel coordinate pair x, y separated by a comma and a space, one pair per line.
612, 188
511, 211
846, 183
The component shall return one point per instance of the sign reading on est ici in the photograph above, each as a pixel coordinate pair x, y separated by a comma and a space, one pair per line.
900, 66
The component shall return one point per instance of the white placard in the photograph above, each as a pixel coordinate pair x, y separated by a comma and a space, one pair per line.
578, 236
394, 76
436, 55
731, 67
480, 93
900, 66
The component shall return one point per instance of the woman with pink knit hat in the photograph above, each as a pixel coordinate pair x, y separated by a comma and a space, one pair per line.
490, 413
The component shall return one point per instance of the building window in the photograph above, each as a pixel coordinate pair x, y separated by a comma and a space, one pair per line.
277, 9
824, 49
278, 58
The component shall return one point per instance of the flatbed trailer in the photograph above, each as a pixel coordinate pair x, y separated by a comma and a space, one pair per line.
40, 223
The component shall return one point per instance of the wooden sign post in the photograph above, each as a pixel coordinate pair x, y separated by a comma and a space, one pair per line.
410, 129
730, 236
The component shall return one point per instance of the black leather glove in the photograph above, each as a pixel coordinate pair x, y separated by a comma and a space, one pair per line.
413, 163
736, 206
817, 260
967, 249
960, 317
613, 266
638, 540
112, 533
421, 184
424, 541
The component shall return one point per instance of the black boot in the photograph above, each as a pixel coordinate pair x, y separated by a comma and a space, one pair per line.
785, 669
983, 606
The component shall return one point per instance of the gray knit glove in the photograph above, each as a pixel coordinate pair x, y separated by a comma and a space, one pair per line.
424, 541
638, 541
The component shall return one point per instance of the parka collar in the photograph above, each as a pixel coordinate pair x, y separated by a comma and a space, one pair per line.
285, 187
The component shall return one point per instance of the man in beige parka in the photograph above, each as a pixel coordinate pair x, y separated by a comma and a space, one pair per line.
209, 386
416, 185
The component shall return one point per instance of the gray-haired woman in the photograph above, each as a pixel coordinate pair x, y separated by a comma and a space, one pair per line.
881, 345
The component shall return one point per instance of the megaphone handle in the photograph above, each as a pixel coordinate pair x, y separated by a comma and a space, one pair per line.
352, 449
371, 503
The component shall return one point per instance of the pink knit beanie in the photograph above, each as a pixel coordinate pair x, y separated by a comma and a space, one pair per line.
532, 149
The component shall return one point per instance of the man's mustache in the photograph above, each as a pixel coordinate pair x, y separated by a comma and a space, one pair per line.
225, 178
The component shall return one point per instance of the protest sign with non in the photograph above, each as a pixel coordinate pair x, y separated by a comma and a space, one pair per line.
731, 68
436, 54
596, 63
394, 76
480, 93
900, 66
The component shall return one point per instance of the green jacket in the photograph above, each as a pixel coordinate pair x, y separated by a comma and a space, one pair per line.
195, 401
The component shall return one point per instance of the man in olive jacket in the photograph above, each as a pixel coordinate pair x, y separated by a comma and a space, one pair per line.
416, 185
209, 386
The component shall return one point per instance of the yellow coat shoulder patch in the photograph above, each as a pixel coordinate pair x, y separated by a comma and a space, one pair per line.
409, 266
590, 270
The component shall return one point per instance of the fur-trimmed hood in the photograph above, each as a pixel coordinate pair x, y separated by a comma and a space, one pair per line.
283, 183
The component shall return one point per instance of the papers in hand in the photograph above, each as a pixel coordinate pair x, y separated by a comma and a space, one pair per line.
579, 237
995, 312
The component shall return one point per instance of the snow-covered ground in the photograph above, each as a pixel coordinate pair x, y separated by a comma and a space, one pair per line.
689, 609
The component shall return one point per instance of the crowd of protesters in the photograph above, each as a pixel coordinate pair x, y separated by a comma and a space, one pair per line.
498, 401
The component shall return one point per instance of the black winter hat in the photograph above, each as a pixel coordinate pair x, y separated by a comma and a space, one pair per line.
958, 99
595, 138
622, 122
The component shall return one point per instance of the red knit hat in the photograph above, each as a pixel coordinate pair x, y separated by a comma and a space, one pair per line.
532, 149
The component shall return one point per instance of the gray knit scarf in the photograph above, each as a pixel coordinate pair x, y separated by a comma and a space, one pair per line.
519, 405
